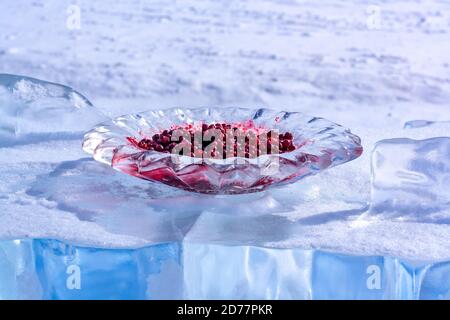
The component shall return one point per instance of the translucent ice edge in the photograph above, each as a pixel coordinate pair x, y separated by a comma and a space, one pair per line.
33, 110
50, 269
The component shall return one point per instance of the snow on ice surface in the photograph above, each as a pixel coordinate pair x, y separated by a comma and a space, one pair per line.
322, 60
85, 202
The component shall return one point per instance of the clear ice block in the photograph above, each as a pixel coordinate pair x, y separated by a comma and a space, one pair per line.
410, 179
33, 110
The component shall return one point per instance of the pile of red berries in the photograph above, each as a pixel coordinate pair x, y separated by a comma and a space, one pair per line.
218, 140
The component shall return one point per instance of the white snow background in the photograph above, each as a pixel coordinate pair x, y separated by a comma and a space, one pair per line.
368, 65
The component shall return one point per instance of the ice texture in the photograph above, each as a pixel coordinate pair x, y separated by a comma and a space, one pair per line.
410, 179
35, 110
315, 57
154, 272
51, 269
18, 278
92, 195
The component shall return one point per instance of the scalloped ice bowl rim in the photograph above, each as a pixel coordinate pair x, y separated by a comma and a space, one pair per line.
346, 144
218, 161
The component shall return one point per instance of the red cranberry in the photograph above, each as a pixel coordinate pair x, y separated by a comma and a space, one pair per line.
159, 147
162, 141
285, 144
145, 144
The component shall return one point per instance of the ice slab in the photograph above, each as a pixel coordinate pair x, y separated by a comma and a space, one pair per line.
18, 278
33, 110
410, 179
364, 78
49, 192
150, 236
57, 270
85, 195
67, 272
87, 203
98, 197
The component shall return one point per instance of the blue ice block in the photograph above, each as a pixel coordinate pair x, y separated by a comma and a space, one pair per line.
69, 272
246, 272
50, 269
435, 282
18, 278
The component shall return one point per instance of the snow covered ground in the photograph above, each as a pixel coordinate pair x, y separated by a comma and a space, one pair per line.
371, 66
309, 55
